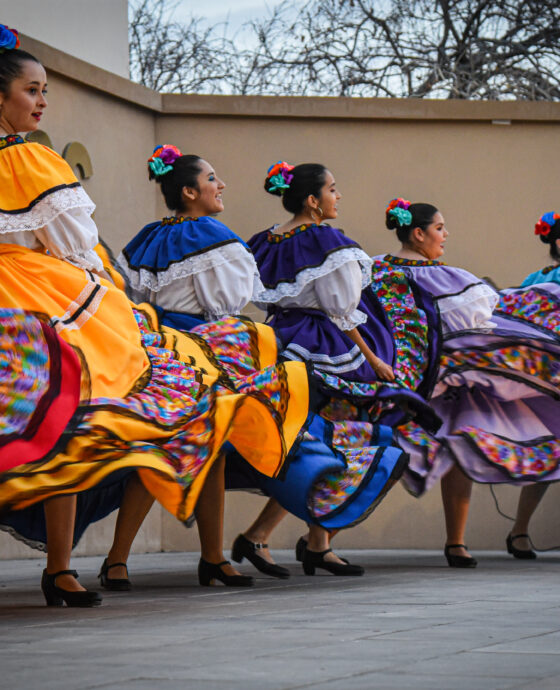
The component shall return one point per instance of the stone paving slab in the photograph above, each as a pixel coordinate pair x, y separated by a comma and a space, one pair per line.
410, 622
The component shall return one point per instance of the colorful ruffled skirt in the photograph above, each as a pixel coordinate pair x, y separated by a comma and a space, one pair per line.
125, 395
498, 394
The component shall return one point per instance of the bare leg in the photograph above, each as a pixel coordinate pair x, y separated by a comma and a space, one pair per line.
319, 540
134, 507
529, 500
209, 513
456, 490
60, 514
332, 533
268, 519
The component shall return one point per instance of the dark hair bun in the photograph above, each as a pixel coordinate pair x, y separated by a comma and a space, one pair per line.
172, 171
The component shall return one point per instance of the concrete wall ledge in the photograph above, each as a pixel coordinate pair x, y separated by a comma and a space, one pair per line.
503, 112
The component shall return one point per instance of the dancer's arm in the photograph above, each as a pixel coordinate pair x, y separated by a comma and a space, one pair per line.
381, 368
339, 295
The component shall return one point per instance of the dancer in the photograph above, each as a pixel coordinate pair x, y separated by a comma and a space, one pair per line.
194, 269
150, 409
497, 389
518, 542
314, 277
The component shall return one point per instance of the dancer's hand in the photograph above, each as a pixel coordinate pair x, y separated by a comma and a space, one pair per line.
384, 371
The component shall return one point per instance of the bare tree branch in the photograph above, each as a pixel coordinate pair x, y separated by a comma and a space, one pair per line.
477, 49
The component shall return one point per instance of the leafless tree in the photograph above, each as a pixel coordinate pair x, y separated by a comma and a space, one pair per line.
166, 55
475, 49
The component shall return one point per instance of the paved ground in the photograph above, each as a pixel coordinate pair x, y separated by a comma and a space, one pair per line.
410, 622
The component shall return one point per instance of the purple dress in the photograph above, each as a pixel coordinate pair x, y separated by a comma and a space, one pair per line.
498, 387
316, 288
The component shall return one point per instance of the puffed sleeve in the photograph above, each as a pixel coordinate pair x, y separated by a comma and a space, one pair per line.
72, 236
339, 294
225, 289
471, 309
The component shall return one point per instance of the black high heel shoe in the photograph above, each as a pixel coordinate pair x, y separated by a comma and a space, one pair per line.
301, 546
244, 548
208, 572
55, 596
316, 559
525, 554
454, 561
115, 584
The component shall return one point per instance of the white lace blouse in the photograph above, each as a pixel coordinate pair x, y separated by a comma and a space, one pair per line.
471, 309
334, 287
71, 235
337, 294
217, 283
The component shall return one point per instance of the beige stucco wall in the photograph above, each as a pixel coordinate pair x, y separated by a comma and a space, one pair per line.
491, 181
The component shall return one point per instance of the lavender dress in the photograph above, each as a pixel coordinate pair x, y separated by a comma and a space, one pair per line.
498, 387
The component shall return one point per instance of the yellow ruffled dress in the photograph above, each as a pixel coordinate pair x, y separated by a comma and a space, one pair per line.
151, 399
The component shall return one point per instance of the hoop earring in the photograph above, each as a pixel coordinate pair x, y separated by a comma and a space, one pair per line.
316, 220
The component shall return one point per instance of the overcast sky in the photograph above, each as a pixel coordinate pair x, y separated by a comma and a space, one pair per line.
236, 12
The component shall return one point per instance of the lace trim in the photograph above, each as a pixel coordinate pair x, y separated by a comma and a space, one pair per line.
86, 259
308, 275
144, 279
347, 323
38, 545
476, 293
46, 210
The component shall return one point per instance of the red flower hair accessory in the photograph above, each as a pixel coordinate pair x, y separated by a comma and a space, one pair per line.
545, 223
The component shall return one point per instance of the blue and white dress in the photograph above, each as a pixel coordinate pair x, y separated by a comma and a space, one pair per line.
192, 269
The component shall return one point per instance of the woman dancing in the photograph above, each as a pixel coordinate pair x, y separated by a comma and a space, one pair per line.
142, 412
497, 389
518, 542
314, 277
